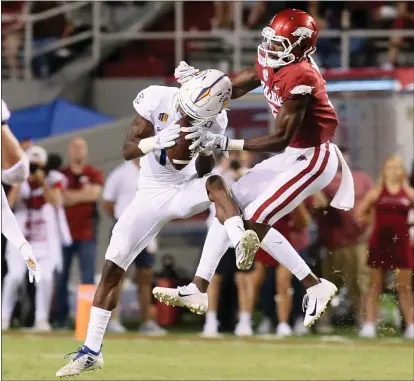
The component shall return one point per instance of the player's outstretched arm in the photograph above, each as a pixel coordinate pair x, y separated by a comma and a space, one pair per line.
243, 82
288, 120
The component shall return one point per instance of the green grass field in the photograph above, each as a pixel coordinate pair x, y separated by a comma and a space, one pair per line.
186, 357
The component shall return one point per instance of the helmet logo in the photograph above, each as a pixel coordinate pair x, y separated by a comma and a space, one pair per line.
303, 32
206, 90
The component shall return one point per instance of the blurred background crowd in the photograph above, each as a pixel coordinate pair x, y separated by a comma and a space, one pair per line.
52, 42
70, 71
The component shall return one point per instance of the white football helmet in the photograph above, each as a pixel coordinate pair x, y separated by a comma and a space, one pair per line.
205, 95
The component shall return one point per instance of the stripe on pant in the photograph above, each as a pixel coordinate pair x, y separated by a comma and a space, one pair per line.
285, 187
300, 189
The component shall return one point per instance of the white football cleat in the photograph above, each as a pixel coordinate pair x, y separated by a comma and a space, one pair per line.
246, 250
368, 330
85, 360
316, 300
283, 330
186, 296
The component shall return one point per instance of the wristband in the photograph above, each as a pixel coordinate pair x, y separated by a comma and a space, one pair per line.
235, 145
147, 145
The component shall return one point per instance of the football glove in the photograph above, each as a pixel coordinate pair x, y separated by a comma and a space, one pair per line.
205, 139
31, 263
166, 138
183, 72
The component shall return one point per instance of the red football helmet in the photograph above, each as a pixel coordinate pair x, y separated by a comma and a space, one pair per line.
290, 37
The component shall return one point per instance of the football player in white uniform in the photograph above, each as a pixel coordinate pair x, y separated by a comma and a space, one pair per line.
165, 194
15, 169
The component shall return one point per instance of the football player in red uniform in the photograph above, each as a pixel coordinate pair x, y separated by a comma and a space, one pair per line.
305, 160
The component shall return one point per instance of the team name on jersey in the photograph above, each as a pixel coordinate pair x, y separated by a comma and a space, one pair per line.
271, 96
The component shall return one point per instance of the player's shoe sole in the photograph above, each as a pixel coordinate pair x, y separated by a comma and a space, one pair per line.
246, 250
171, 298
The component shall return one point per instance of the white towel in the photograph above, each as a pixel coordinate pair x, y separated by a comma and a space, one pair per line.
345, 196
65, 236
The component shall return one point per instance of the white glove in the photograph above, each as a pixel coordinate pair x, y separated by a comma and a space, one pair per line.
31, 263
166, 138
183, 72
203, 139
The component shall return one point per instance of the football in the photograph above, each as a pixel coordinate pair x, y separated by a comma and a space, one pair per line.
179, 154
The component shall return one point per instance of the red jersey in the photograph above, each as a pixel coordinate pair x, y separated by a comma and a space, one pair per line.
82, 217
390, 241
292, 82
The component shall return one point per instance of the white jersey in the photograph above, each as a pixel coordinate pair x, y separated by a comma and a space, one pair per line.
158, 105
119, 187
5, 113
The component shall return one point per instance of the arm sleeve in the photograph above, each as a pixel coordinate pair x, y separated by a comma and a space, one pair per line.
300, 84
144, 103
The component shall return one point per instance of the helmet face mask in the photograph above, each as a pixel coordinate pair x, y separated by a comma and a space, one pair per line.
204, 96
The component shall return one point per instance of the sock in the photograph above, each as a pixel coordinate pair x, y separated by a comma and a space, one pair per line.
235, 229
211, 317
245, 318
98, 322
280, 249
216, 244
10, 227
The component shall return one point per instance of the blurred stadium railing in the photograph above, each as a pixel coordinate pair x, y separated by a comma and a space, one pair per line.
240, 44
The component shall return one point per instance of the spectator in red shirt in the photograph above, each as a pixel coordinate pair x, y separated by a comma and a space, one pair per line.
346, 242
80, 200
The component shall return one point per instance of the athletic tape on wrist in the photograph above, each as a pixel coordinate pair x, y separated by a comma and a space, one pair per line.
235, 144
147, 145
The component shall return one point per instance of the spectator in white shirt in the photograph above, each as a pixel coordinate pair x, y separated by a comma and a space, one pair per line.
119, 190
